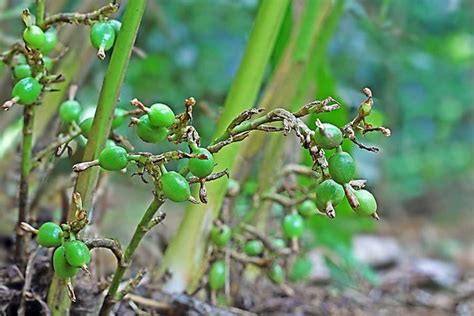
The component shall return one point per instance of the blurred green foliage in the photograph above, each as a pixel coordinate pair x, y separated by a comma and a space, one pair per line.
418, 59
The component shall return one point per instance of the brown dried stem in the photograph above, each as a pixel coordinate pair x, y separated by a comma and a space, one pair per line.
111, 244
81, 18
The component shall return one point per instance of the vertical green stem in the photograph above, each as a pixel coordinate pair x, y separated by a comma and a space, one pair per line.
108, 98
113, 296
26, 153
40, 6
184, 256
109, 94
26, 149
316, 29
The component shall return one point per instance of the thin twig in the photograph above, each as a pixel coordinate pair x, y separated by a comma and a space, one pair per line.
81, 18
111, 244
131, 285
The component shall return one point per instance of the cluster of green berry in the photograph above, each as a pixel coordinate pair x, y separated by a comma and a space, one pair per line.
340, 172
70, 253
329, 193
27, 89
292, 227
151, 127
29, 82
31, 66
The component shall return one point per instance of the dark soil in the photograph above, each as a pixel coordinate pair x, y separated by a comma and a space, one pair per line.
420, 282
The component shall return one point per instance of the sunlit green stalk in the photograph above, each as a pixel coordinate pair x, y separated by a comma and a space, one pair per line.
109, 94
184, 256
317, 26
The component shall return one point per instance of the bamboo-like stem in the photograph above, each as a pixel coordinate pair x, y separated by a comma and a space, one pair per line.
113, 295
297, 56
302, 70
113, 80
185, 254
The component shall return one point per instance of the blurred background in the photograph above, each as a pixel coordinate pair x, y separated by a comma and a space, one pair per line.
416, 56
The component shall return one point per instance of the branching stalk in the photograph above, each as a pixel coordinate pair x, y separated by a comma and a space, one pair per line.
113, 296
80, 18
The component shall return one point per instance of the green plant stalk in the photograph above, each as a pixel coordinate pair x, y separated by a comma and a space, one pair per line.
40, 6
113, 296
280, 90
26, 154
281, 93
108, 98
109, 93
184, 256
283, 37
322, 28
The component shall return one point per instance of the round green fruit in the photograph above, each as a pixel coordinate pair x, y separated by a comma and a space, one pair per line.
102, 35
329, 191
22, 71
253, 248
221, 236
301, 269
276, 273
175, 187
70, 111
293, 225
77, 253
61, 267
161, 115
49, 235
307, 208
149, 133
86, 126
329, 137
341, 167
217, 275
119, 118
278, 243
50, 41
113, 158
27, 90
34, 37
367, 203
201, 168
